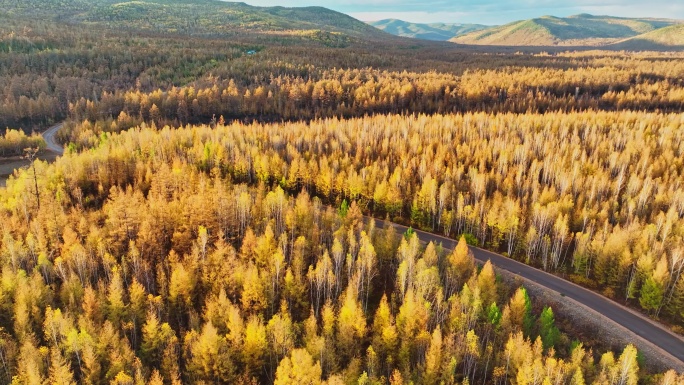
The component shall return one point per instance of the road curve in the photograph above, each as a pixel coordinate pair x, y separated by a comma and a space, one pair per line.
49, 137
638, 324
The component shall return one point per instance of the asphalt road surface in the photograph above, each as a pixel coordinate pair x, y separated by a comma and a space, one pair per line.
49, 137
7, 166
640, 325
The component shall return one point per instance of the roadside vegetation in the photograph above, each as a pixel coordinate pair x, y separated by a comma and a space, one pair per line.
14, 142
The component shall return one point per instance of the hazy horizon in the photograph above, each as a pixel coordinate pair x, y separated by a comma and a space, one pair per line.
492, 12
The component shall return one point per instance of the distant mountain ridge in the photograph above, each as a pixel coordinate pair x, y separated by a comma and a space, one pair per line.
577, 30
293, 25
432, 31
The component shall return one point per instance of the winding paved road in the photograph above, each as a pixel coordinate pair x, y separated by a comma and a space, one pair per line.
639, 324
7, 167
49, 137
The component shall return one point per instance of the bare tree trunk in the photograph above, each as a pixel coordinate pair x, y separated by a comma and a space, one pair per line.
30, 154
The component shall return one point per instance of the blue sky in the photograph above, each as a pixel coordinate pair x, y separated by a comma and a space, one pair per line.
487, 11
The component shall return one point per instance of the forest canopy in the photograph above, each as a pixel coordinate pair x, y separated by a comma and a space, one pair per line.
151, 260
206, 222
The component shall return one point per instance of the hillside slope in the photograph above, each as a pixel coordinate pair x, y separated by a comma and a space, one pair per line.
668, 38
433, 31
578, 30
195, 17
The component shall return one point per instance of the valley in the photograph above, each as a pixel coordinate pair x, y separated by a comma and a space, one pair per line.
434, 31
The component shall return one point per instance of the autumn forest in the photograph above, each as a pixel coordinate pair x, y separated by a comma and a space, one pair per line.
210, 219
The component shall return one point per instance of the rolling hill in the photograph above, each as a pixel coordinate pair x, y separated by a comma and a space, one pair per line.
434, 31
195, 17
667, 38
578, 30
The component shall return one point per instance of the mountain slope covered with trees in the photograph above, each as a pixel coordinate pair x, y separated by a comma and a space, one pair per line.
196, 17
